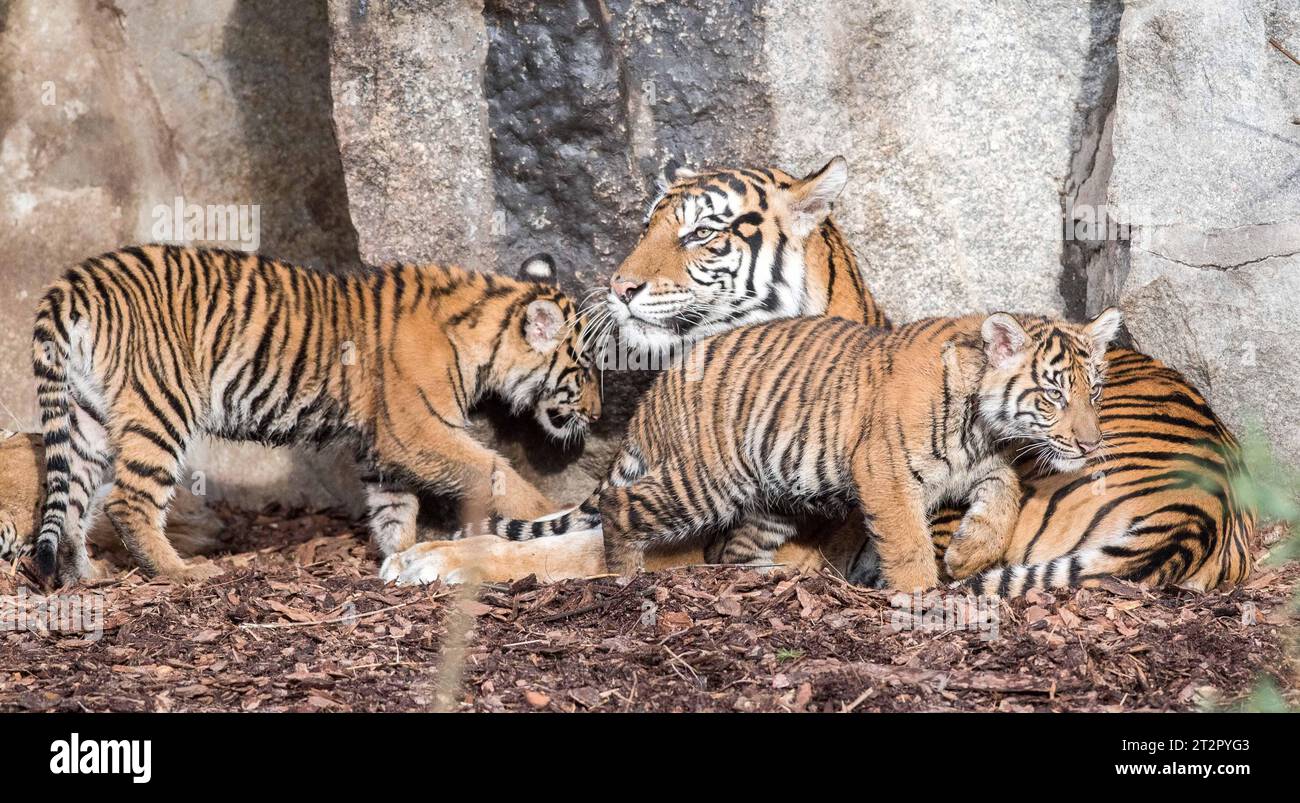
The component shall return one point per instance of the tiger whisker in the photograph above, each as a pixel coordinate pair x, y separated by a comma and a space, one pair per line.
596, 321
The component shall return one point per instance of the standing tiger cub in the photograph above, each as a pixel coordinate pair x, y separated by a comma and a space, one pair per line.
140, 351
801, 415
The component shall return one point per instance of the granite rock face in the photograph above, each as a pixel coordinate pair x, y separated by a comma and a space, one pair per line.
1206, 131
74, 170
587, 101
1207, 171
407, 80
960, 122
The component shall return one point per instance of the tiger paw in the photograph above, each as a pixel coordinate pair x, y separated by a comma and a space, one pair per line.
422, 564
976, 546
75, 569
921, 575
196, 572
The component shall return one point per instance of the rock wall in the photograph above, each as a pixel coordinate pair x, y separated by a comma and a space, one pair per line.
1207, 170
960, 122
982, 139
407, 84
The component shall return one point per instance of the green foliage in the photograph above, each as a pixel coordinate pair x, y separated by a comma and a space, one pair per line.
1266, 699
787, 654
1272, 489
1268, 486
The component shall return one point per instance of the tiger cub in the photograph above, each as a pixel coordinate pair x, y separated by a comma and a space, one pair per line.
140, 351
800, 415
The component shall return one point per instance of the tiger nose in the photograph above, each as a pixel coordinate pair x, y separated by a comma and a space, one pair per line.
1087, 447
624, 288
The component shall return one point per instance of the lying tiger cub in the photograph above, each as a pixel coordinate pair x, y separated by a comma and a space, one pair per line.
140, 351
803, 414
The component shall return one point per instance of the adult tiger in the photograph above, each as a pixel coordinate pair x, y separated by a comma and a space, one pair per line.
729, 247
141, 350
733, 246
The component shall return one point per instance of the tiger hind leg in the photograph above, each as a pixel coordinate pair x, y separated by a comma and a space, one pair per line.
754, 542
1163, 547
91, 463
145, 471
77, 456
648, 513
1092, 567
393, 515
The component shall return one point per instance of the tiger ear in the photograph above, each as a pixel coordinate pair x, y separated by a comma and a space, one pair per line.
812, 196
1004, 339
672, 173
539, 268
1103, 328
542, 322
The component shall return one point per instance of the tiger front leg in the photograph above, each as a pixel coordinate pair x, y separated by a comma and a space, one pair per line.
896, 521
449, 461
986, 529
903, 544
513, 497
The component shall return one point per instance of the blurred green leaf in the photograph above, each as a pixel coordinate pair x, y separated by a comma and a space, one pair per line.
1266, 699
1272, 489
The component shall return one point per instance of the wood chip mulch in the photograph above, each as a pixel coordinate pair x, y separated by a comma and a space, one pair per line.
299, 622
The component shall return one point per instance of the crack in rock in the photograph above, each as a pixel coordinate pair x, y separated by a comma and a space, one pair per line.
1216, 266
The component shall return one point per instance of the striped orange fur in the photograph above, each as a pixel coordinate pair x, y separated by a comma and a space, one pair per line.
1156, 505
142, 350
728, 247
1165, 512
804, 414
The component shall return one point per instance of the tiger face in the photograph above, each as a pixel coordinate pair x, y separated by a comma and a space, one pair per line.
558, 381
720, 249
570, 402
551, 368
1042, 384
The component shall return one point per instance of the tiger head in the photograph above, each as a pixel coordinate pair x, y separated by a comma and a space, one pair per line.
555, 375
1042, 383
720, 249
